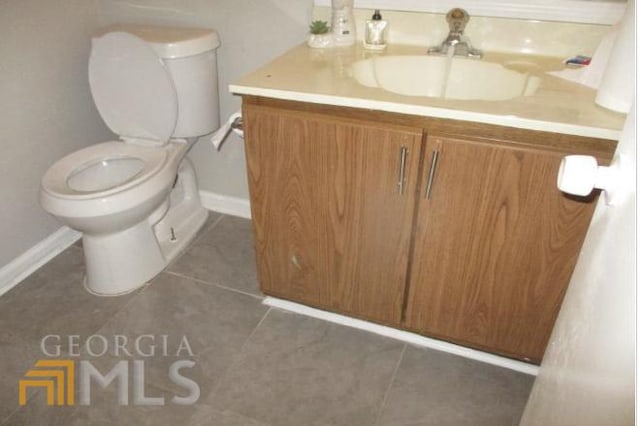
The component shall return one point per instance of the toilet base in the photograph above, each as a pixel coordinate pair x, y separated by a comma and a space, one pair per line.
186, 216
114, 262
120, 263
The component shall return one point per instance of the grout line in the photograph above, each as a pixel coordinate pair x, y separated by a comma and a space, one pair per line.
244, 344
393, 379
74, 246
236, 360
116, 312
6, 419
211, 226
94, 331
32, 397
201, 233
137, 294
223, 287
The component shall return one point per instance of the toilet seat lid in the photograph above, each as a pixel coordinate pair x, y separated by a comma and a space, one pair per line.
132, 88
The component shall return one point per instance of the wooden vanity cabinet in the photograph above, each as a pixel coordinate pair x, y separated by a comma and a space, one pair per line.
495, 246
475, 247
332, 223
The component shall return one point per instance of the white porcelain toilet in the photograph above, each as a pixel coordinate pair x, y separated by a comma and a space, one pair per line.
136, 199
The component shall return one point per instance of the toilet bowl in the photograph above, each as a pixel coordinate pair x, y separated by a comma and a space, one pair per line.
118, 196
136, 199
107, 187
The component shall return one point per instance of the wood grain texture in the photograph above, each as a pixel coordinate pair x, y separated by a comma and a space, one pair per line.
486, 260
331, 229
495, 247
601, 148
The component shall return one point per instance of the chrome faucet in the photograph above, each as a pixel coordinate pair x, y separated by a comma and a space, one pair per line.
456, 43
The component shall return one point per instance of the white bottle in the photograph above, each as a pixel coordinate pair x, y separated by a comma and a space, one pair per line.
375, 34
343, 23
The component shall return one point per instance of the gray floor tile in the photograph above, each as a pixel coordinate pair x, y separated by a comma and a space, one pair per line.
54, 300
436, 388
50, 301
252, 370
104, 410
297, 370
37, 413
16, 360
223, 255
206, 415
211, 220
107, 412
216, 323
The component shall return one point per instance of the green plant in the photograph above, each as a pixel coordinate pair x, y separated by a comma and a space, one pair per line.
319, 27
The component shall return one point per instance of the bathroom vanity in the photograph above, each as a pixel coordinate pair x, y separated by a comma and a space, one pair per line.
438, 216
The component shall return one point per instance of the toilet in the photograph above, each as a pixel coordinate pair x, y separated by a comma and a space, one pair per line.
135, 199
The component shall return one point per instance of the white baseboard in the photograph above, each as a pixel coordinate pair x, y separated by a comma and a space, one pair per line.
405, 336
28, 262
225, 204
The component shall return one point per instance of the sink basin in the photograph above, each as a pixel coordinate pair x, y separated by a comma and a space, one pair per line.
443, 77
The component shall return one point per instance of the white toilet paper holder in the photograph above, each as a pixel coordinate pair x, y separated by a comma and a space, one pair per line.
237, 123
234, 123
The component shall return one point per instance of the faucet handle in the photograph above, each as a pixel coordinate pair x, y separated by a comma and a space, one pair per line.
457, 19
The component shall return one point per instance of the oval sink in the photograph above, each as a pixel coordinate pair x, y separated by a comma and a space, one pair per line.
443, 77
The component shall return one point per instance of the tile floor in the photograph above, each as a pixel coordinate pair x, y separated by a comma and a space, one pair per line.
254, 365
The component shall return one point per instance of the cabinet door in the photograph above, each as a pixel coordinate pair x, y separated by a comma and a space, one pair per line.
332, 226
496, 244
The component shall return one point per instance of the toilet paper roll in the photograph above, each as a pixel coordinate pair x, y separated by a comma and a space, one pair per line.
233, 123
617, 88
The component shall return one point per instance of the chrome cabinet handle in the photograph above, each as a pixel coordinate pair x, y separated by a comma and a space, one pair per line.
403, 165
432, 173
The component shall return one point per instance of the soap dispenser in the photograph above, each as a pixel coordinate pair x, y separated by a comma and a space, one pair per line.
375, 35
343, 22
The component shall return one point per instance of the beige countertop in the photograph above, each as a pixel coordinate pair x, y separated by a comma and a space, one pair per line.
324, 76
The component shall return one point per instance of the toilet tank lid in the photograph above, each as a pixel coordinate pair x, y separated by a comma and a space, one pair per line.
170, 42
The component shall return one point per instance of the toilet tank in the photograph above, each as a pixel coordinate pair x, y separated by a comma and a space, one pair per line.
189, 54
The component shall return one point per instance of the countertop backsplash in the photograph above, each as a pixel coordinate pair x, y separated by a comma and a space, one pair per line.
560, 39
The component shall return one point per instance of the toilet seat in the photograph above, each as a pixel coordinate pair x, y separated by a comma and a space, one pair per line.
56, 181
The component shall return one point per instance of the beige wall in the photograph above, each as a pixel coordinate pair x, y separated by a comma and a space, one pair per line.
587, 375
46, 106
252, 32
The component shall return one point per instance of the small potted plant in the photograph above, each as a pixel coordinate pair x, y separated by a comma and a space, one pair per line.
319, 36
